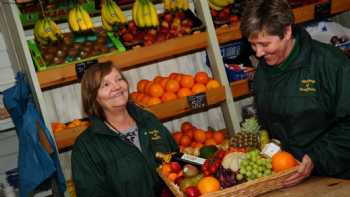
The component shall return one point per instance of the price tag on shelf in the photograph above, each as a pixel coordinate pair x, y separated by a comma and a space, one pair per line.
82, 66
197, 101
322, 10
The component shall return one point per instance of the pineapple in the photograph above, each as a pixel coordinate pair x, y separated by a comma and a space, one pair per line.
248, 137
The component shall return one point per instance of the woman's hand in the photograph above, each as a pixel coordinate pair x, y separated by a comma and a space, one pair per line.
304, 171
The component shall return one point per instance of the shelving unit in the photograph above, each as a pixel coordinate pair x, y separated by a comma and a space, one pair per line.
208, 40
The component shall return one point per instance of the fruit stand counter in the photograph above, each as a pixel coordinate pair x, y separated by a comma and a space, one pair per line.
315, 186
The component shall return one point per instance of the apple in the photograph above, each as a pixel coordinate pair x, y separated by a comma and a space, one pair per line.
132, 26
192, 191
152, 32
163, 30
175, 166
127, 37
123, 30
213, 12
168, 17
180, 15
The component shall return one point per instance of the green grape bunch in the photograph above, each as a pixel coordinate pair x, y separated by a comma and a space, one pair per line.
255, 166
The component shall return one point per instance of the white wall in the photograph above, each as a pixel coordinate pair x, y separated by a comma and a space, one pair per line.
8, 138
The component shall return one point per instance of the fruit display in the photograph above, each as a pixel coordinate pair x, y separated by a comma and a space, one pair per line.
111, 15
172, 5
166, 26
46, 31
176, 85
144, 13
223, 12
79, 20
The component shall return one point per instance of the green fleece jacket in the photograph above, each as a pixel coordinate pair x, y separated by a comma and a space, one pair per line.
305, 103
103, 165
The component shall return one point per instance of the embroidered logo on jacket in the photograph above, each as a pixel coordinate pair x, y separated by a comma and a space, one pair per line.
307, 85
155, 135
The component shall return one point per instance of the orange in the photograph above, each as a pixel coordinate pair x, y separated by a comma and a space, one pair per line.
209, 142
158, 79
184, 92
173, 75
189, 133
172, 176
185, 140
141, 85
187, 81
283, 161
208, 184
145, 100
139, 97
177, 136
155, 90
172, 85
198, 88
166, 169
178, 77
147, 88
134, 95
186, 126
57, 126
201, 77
199, 135
209, 134
218, 136
194, 144
154, 101
168, 96
213, 84
164, 81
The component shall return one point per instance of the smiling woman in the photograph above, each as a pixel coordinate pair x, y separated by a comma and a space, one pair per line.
117, 152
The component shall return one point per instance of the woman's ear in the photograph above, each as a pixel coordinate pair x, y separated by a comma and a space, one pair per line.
288, 32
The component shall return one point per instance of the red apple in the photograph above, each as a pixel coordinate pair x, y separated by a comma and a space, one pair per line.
168, 18
213, 12
123, 30
128, 37
132, 26
192, 191
175, 167
180, 15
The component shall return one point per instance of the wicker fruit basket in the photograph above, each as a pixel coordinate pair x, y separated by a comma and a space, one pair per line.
247, 189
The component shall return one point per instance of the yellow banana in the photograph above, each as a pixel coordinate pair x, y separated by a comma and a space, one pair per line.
106, 26
55, 28
167, 4
140, 22
147, 14
219, 3
72, 20
186, 5
120, 14
173, 5
80, 20
134, 11
86, 18
154, 15
39, 33
52, 37
215, 7
107, 15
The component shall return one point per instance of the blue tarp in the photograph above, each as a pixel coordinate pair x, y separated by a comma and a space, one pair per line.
35, 165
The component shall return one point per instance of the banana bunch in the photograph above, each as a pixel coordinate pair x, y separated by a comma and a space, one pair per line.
171, 5
111, 15
219, 4
47, 31
79, 20
144, 13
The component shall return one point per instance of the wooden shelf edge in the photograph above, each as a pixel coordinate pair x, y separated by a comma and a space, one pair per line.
180, 106
340, 6
240, 88
66, 73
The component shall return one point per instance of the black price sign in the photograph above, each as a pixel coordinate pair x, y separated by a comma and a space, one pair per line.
322, 10
82, 66
197, 101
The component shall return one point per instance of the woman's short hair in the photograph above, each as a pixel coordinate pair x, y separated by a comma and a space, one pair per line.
271, 16
90, 84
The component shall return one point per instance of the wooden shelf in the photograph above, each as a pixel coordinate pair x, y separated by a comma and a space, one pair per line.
65, 138
227, 33
240, 88
65, 73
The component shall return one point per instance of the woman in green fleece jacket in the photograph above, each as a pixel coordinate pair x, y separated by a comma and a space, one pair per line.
302, 90
115, 156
